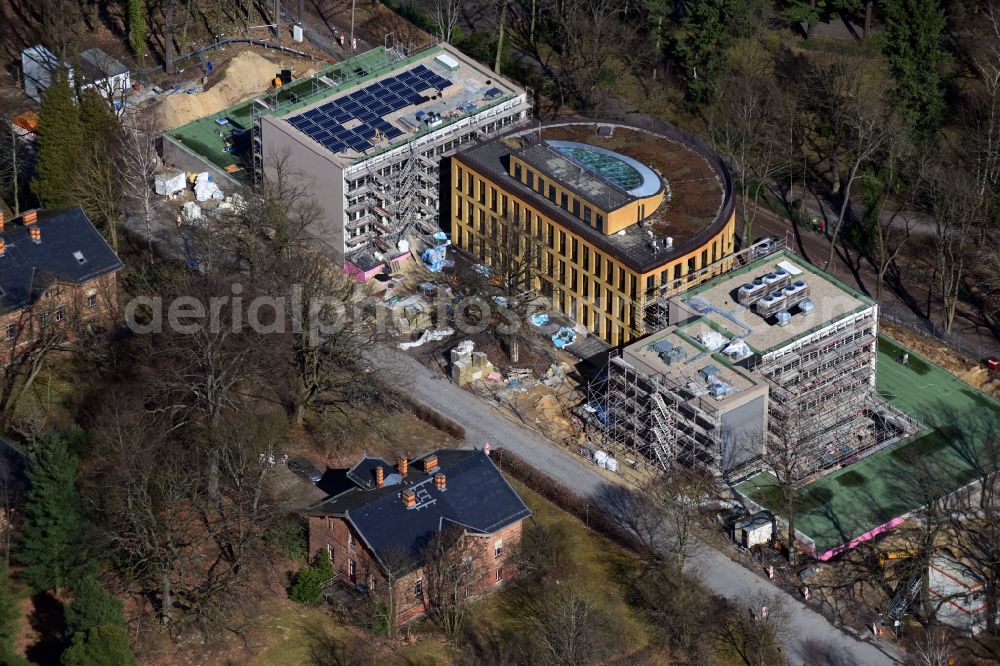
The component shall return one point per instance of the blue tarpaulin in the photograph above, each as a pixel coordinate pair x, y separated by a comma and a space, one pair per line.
564, 337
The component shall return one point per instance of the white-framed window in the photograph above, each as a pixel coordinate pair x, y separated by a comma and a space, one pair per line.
11, 331
499, 575
43, 320
418, 588
468, 563
350, 542
91, 300
60, 314
497, 548
371, 583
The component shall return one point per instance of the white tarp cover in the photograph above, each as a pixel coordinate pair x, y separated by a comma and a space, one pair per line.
711, 339
205, 188
427, 336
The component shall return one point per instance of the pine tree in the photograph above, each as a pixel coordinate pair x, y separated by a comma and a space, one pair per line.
92, 606
912, 40
97, 120
701, 49
106, 645
136, 26
51, 540
60, 144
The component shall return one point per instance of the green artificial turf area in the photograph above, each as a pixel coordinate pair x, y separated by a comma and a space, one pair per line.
963, 439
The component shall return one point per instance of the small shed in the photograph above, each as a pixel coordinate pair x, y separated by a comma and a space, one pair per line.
755, 529
92, 68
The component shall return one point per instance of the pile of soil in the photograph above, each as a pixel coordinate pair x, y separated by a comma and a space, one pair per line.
243, 76
970, 370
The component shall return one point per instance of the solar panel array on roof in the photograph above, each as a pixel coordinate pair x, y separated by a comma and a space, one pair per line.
369, 105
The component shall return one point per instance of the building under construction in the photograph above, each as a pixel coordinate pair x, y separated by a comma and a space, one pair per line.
365, 136
772, 356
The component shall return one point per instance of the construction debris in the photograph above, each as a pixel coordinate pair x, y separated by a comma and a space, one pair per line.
468, 365
167, 184
428, 336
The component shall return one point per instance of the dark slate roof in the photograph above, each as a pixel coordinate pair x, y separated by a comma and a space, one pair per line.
28, 268
476, 497
363, 473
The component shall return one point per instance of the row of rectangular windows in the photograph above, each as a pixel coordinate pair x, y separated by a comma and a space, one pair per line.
556, 240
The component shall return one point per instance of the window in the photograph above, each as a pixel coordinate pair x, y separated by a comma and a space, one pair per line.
531, 180
350, 542
371, 583
499, 575
352, 569
11, 331
497, 548
600, 223
493, 199
573, 250
418, 588
564, 201
43, 321
60, 314
576, 207
517, 171
552, 193
587, 214
467, 561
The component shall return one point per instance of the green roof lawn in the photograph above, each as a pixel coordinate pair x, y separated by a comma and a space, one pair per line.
963, 437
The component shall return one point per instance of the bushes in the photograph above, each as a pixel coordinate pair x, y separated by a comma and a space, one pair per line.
290, 537
309, 581
106, 645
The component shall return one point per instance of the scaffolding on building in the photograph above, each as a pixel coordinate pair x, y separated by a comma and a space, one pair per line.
651, 308
821, 400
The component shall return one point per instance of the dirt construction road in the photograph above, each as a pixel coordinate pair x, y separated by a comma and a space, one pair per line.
811, 638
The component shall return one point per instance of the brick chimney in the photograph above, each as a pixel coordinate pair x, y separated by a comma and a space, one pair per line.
404, 466
430, 462
379, 476
409, 498
439, 481
36, 234
29, 217
1, 220
3, 246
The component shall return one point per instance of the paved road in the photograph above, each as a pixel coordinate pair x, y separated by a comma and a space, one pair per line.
812, 640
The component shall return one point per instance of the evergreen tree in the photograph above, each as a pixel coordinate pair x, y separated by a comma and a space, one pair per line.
912, 40
10, 613
60, 144
701, 50
106, 645
136, 19
97, 120
92, 606
52, 537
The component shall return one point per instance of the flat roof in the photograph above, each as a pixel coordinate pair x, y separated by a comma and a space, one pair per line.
227, 142
962, 441
645, 357
832, 298
700, 202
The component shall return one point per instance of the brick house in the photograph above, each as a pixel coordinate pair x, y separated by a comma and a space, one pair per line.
57, 279
380, 518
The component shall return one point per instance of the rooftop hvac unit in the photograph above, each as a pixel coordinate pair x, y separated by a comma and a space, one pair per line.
719, 390
784, 318
806, 306
751, 292
777, 279
795, 293
770, 304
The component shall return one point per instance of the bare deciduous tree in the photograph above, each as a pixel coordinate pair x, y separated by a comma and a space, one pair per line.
448, 563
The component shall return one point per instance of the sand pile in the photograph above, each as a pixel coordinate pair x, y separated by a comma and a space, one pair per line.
969, 370
245, 75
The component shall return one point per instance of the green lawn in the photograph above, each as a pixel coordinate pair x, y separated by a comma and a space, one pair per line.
963, 436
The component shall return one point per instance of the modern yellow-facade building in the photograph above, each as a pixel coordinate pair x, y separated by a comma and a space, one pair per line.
618, 215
